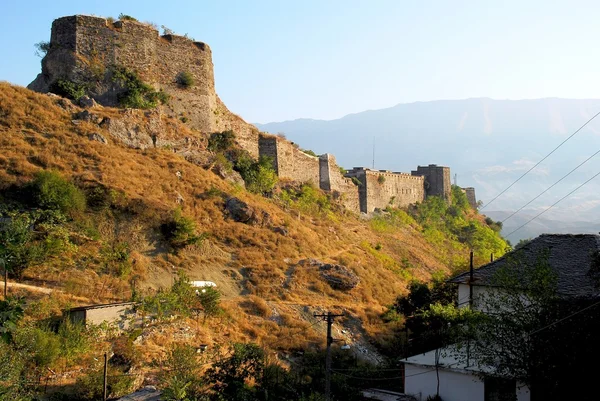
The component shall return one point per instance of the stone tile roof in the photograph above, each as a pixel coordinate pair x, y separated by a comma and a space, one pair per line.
569, 255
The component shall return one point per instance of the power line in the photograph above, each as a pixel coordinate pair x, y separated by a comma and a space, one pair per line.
551, 186
551, 206
544, 158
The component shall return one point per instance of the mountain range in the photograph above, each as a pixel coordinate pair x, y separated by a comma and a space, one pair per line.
487, 143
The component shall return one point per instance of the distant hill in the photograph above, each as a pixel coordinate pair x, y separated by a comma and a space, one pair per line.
487, 143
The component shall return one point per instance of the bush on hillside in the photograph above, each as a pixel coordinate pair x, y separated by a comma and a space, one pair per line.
259, 176
69, 89
180, 231
51, 191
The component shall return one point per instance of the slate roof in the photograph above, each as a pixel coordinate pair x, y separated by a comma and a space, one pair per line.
148, 393
569, 255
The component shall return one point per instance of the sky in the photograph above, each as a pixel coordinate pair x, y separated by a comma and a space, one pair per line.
281, 60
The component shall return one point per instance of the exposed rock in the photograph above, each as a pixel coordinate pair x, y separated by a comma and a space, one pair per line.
281, 230
241, 212
87, 102
87, 116
179, 199
228, 175
98, 138
339, 277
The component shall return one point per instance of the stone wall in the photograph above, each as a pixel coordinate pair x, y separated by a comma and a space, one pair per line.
437, 180
380, 189
331, 179
470, 192
84, 49
289, 161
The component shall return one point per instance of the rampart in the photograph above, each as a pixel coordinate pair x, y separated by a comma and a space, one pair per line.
85, 50
288, 160
332, 179
380, 189
470, 192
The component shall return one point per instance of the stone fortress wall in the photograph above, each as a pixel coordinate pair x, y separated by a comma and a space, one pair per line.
84, 49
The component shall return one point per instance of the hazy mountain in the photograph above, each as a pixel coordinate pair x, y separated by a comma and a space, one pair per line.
487, 143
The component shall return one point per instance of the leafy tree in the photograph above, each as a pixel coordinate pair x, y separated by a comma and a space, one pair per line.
180, 372
231, 375
208, 299
11, 311
532, 335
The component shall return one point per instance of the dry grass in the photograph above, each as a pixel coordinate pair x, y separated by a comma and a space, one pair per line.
252, 263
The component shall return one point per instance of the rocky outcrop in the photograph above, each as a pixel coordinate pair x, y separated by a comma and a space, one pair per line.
240, 211
338, 277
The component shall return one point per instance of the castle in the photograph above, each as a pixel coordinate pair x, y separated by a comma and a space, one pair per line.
84, 48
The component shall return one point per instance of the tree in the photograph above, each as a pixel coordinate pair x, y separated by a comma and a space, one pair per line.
208, 299
11, 311
14, 238
237, 376
532, 335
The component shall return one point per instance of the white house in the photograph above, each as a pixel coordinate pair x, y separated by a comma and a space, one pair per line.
457, 381
569, 256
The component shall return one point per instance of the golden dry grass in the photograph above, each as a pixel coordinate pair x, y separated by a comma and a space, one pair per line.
252, 262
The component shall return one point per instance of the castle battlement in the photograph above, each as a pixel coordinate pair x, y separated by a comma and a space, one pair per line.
85, 49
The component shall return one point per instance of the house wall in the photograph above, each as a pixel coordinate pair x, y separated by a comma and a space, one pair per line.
119, 314
421, 382
483, 295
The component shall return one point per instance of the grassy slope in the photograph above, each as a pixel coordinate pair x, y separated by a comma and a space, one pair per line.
250, 264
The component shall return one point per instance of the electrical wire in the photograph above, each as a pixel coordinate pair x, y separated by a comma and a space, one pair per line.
538, 163
551, 206
564, 318
551, 186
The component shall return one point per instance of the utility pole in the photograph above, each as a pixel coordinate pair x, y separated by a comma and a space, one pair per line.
104, 377
373, 165
455, 179
329, 317
471, 280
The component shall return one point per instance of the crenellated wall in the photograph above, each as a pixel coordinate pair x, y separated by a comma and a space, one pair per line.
86, 50
380, 189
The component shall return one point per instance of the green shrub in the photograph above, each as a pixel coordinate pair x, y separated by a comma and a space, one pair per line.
69, 89
51, 191
180, 231
221, 141
185, 79
259, 176
125, 17
137, 94
356, 181
307, 199
381, 179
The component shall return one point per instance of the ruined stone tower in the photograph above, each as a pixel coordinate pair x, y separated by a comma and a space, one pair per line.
85, 50
437, 180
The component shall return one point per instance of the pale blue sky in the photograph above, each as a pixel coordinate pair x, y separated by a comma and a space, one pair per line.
278, 60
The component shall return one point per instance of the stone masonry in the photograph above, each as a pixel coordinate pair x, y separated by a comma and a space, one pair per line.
380, 189
85, 50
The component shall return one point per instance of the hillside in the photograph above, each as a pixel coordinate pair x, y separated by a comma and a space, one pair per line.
132, 190
488, 143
